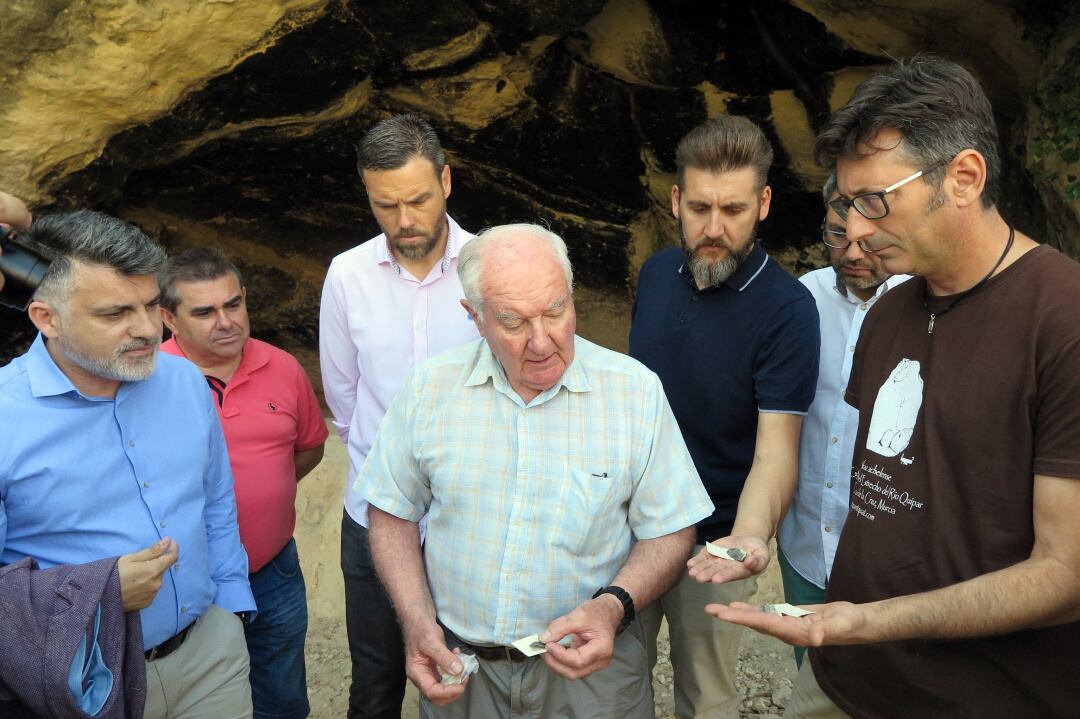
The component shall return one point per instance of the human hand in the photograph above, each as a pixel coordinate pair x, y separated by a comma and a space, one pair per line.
593, 624
832, 623
706, 568
13, 212
141, 573
425, 652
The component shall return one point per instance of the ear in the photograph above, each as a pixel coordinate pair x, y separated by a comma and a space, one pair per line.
169, 319
968, 174
766, 199
675, 201
45, 318
445, 181
471, 311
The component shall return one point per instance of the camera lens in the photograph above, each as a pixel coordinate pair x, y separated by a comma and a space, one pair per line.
23, 268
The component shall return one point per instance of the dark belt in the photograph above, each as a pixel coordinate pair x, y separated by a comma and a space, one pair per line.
494, 654
168, 646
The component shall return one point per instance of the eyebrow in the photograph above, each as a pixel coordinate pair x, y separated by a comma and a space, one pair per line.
226, 303
109, 309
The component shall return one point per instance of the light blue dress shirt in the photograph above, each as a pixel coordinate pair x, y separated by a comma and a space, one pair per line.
811, 529
82, 478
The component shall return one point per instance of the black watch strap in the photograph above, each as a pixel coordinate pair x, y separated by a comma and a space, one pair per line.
627, 604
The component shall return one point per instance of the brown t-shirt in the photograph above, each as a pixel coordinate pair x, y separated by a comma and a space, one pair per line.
952, 427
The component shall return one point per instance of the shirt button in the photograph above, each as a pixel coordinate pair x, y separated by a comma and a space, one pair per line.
851, 348
862, 306
829, 485
131, 443
146, 484
834, 440
828, 529
183, 610
162, 524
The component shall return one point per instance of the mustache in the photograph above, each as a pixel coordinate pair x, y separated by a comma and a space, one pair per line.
138, 344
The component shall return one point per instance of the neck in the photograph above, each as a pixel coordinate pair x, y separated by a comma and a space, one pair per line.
89, 385
420, 267
979, 247
213, 366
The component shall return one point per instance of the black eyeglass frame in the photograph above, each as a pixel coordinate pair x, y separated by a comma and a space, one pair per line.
843, 205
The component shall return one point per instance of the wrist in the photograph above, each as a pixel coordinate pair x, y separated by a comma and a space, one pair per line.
621, 604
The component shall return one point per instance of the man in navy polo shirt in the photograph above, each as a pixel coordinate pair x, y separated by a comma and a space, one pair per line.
734, 339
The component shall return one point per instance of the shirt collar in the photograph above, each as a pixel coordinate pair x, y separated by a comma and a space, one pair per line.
383, 255
486, 366
744, 274
46, 378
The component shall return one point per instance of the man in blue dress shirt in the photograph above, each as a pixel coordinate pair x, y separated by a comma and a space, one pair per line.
109, 448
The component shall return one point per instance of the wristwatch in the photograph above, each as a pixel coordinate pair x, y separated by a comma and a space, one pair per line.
627, 604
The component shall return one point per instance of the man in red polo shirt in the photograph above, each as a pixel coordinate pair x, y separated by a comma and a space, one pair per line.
275, 432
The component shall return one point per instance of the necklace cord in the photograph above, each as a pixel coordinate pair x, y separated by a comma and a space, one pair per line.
970, 290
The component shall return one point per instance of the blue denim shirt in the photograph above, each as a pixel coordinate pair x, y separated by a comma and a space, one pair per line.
82, 478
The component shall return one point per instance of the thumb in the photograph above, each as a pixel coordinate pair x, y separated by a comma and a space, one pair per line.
446, 659
555, 631
152, 552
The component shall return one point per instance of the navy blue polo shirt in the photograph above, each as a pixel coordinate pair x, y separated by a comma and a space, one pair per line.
724, 354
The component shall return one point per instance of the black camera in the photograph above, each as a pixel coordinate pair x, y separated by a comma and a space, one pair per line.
23, 265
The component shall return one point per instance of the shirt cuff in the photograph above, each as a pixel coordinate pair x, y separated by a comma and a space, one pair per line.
236, 597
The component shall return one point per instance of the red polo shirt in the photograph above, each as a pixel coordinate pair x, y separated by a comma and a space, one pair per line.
269, 412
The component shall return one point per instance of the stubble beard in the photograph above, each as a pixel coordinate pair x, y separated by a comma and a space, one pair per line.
117, 367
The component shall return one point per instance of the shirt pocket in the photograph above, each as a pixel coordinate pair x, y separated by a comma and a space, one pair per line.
594, 511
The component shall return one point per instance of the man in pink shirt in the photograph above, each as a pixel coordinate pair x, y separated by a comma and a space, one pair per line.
387, 305
275, 432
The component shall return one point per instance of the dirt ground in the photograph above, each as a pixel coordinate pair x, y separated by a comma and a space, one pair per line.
766, 666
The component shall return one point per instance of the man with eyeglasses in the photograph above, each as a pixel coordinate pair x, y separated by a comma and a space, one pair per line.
844, 292
956, 585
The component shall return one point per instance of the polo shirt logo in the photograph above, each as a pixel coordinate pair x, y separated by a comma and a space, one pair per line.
271, 406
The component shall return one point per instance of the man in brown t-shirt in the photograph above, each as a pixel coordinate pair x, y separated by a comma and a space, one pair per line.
956, 585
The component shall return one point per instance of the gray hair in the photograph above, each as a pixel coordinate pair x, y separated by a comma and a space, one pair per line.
829, 189
470, 259
201, 264
724, 144
92, 238
938, 108
392, 142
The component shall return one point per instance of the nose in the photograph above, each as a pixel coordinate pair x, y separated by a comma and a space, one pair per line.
854, 252
405, 218
147, 324
224, 321
539, 339
859, 229
714, 228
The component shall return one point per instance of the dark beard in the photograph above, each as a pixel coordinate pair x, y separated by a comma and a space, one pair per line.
423, 249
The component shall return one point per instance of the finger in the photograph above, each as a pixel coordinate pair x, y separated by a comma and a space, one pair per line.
150, 553
171, 554
440, 654
559, 628
435, 691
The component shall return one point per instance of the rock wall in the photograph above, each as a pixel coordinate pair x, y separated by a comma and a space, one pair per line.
233, 122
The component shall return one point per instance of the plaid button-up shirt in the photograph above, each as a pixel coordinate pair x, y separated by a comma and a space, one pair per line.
533, 507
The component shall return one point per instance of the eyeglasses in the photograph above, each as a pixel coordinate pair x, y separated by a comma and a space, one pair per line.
872, 205
836, 239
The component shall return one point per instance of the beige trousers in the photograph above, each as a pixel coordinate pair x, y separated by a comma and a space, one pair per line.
808, 701
207, 677
704, 650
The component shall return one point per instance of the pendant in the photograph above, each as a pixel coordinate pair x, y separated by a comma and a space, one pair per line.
930, 327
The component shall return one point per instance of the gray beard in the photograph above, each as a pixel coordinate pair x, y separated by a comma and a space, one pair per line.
710, 274
114, 368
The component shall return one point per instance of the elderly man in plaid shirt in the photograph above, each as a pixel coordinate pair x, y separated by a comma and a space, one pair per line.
560, 497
